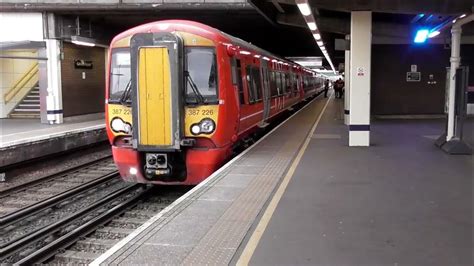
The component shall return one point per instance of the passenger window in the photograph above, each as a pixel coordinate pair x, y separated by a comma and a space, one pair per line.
273, 84
283, 83
238, 81
250, 85
288, 84
257, 84
278, 82
254, 84
293, 84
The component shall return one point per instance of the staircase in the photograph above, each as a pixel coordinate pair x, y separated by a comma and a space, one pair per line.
29, 107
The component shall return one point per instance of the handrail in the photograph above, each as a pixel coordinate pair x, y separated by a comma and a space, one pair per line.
21, 83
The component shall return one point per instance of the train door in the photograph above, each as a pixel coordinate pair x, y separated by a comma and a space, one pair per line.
266, 91
156, 85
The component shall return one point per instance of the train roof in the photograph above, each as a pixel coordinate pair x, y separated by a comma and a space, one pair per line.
199, 28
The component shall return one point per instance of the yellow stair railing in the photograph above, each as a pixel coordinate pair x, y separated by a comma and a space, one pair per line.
21, 83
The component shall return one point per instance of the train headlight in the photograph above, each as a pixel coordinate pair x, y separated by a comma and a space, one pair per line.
195, 129
206, 126
120, 126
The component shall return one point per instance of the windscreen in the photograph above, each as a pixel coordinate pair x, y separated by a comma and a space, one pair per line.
119, 74
201, 75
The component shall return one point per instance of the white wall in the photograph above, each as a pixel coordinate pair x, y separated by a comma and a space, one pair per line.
21, 27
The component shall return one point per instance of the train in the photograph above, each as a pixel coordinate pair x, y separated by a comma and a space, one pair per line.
181, 96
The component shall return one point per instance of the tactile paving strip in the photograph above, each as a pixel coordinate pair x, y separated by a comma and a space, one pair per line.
221, 242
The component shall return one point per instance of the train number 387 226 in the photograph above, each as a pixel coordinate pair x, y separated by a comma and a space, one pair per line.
121, 111
195, 112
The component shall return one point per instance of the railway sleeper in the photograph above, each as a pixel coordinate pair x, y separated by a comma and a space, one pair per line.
87, 175
131, 223
93, 245
112, 232
18, 203
74, 257
139, 214
151, 208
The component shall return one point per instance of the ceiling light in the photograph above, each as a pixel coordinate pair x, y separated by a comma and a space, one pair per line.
320, 43
79, 40
312, 26
244, 52
433, 34
304, 9
463, 15
317, 36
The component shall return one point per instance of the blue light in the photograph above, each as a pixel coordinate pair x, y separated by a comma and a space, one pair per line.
421, 35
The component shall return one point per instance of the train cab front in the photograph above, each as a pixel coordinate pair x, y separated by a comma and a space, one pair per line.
163, 108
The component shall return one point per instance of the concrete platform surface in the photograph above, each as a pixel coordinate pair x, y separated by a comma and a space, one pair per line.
400, 202
25, 139
20, 131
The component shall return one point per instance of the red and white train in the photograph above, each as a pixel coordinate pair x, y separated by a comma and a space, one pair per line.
182, 95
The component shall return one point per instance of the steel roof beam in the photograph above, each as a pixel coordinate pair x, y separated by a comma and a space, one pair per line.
400, 6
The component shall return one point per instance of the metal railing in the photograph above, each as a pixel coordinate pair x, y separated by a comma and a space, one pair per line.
22, 83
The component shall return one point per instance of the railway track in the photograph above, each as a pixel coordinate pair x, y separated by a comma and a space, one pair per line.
31, 232
40, 189
82, 235
82, 211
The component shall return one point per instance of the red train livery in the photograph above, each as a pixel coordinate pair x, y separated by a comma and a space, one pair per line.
182, 95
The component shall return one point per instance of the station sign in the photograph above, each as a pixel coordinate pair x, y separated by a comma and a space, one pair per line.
413, 76
83, 64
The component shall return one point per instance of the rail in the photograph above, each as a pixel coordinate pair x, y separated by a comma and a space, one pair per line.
26, 212
24, 241
52, 248
27, 185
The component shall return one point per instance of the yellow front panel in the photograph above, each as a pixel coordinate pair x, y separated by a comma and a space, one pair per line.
154, 92
195, 114
194, 40
119, 111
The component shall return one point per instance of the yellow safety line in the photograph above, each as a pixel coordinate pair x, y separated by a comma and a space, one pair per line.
263, 223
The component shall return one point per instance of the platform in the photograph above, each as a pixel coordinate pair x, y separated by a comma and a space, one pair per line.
301, 196
24, 139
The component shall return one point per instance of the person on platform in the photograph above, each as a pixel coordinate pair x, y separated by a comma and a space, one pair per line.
343, 85
326, 88
338, 86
